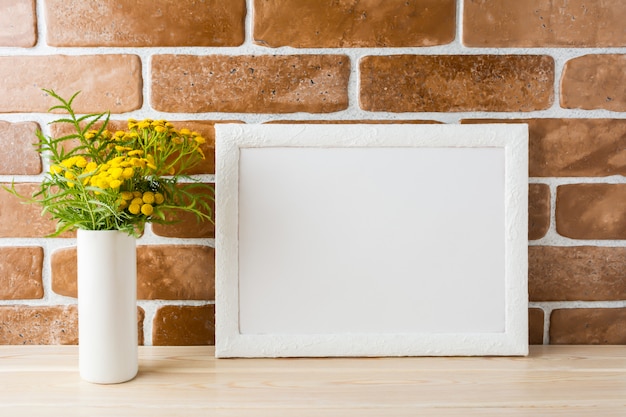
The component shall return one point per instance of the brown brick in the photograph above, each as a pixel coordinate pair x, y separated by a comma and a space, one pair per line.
332, 24
167, 272
594, 82
18, 23
591, 211
171, 272
155, 23
108, 82
540, 23
538, 210
573, 147
141, 316
20, 273
250, 84
184, 326
448, 83
63, 272
187, 225
49, 325
588, 326
535, 324
23, 220
578, 273
20, 139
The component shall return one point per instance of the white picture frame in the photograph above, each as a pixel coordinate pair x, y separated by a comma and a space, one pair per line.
371, 240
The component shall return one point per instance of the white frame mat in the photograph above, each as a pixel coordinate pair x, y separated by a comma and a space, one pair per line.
371, 240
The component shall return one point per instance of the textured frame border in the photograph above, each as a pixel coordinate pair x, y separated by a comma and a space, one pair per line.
513, 138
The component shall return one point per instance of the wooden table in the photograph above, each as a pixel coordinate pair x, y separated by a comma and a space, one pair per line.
189, 381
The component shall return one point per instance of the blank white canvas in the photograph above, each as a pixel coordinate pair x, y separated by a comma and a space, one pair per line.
371, 240
322, 226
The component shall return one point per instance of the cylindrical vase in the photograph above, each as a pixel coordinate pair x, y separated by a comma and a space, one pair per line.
107, 306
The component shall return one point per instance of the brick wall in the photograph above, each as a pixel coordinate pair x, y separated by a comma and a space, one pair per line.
556, 65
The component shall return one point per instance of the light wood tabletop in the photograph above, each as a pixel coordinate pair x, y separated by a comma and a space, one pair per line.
189, 381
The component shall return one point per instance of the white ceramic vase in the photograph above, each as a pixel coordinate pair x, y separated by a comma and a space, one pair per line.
107, 306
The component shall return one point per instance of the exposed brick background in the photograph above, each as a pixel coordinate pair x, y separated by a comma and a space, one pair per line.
22, 220
594, 326
23, 158
450, 83
576, 273
535, 324
538, 23
591, 211
184, 325
331, 24
594, 82
276, 61
107, 82
250, 84
145, 23
22, 325
18, 23
21, 273
538, 210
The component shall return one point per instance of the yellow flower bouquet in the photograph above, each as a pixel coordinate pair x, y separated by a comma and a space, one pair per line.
102, 180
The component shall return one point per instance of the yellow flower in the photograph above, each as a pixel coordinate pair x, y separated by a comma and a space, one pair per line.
143, 125
134, 208
185, 131
127, 173
55, 169
69, 162
199, 139
70, 176
115, 184
81, 162
103, 183
106, 134
126, 195
115, 173
147, 209
91, 167
158, 198
136, 152
148, 197
160, 129
137, 200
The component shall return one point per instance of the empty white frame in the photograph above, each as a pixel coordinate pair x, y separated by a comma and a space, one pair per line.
371, 240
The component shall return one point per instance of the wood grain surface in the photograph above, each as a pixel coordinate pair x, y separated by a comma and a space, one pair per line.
189, 381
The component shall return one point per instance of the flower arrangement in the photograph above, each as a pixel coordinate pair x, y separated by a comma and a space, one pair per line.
102, 180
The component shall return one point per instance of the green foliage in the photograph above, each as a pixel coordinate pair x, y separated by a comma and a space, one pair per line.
102, 180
